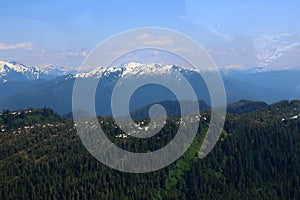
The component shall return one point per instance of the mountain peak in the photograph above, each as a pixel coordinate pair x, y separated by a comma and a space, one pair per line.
13, 62
16, 71
132, 65
130, 68
13, 65
13, 70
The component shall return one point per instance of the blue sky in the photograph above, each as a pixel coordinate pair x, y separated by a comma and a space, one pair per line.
235, 33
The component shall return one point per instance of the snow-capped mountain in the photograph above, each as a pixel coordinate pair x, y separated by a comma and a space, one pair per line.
269, 86
55, 70
134, 69
14, 71
271, 49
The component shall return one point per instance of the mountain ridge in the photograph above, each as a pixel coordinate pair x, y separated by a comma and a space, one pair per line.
57, 92
15, 71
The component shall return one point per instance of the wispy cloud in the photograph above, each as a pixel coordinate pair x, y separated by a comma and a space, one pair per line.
215, 30
61, 54
76, 54
28, 46
155, 40
233, 66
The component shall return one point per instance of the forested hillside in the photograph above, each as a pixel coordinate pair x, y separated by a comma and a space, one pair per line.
256, 157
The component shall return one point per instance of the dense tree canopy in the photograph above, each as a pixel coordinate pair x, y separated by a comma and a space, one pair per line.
256, 157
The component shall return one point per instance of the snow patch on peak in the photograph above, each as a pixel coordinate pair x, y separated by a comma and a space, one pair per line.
16, 71
13, 70
98, 72
54, 70
271, 47
13, 65
146, 69
132, 65
134, 69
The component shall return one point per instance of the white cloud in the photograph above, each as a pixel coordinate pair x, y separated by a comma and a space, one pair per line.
76, 54
155, 40
215, 30
28, 46
43, 53
233, 66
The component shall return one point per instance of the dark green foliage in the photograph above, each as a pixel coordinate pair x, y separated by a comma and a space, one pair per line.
172, 108
257, 157
245, 106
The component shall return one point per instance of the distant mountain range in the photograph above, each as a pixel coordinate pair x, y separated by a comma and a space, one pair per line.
23, 86
14, 71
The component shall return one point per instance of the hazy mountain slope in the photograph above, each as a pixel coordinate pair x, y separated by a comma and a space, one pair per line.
57, 93
245, 106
